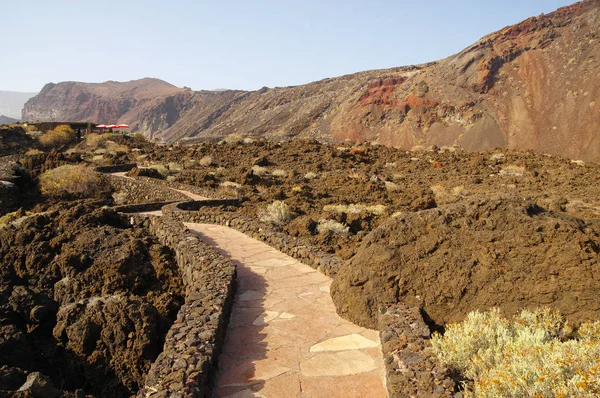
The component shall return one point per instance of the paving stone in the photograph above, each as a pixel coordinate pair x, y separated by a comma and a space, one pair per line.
341, 363
341, 343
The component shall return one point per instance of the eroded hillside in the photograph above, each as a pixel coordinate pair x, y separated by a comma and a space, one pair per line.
529, 86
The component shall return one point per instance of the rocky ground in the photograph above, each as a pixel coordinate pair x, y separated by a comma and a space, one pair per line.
446, 230
442, 229
85, 303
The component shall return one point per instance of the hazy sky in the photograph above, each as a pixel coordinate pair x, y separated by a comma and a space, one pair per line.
237, 44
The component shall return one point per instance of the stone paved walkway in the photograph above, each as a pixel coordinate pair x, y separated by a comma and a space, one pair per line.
285, 338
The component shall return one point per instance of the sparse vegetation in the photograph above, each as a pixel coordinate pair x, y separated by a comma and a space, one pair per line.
512, 170
161, 168
277, 213
73, 181
230, 184
392, 186
279, 173
333, 226
259, 170
533, 354
376, 210
95, 141
310, 176
206, 161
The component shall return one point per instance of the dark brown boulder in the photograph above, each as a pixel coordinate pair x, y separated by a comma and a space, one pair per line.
471, 256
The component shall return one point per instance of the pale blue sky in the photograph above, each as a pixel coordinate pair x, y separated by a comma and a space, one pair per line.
235, 43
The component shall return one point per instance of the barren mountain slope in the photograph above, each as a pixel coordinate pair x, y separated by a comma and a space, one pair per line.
533, 85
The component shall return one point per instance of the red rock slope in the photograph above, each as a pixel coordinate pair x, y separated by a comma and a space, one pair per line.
534, 85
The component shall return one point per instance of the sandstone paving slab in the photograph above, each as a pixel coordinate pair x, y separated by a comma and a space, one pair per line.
347, 342
285, 338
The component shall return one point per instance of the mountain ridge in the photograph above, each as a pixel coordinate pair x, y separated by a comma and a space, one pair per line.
530, 86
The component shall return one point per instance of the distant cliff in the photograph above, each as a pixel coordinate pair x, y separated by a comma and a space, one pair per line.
533, 86
11, 103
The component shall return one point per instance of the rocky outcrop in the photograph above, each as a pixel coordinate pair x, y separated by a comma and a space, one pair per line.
473, 255
528, 86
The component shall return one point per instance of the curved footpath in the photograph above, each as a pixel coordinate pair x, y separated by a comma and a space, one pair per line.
284, 337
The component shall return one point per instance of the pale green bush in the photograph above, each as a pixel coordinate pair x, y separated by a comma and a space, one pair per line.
527, 355
277, 213
337, 228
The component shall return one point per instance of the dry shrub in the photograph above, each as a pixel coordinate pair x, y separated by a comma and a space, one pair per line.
337, 228
234, 139
73, 181
277, 213
392, 186
61, 135
533, 354
116, 149
95, 141
30, 128
161, 168
230, 184
175, 167
139, 137
120, 198
206, 161
442, 195
376, 210
259, 170
512, 170
33, 152
310, 176
279, 173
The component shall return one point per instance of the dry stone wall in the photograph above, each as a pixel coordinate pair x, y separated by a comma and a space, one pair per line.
187, 364
137, 192
209, 212
412, 369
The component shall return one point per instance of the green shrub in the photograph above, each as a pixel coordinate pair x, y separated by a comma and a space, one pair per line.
73, 181
533, 354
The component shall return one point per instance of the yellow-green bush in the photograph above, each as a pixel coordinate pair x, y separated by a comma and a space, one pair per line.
61, 135
533, 354
73, 181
